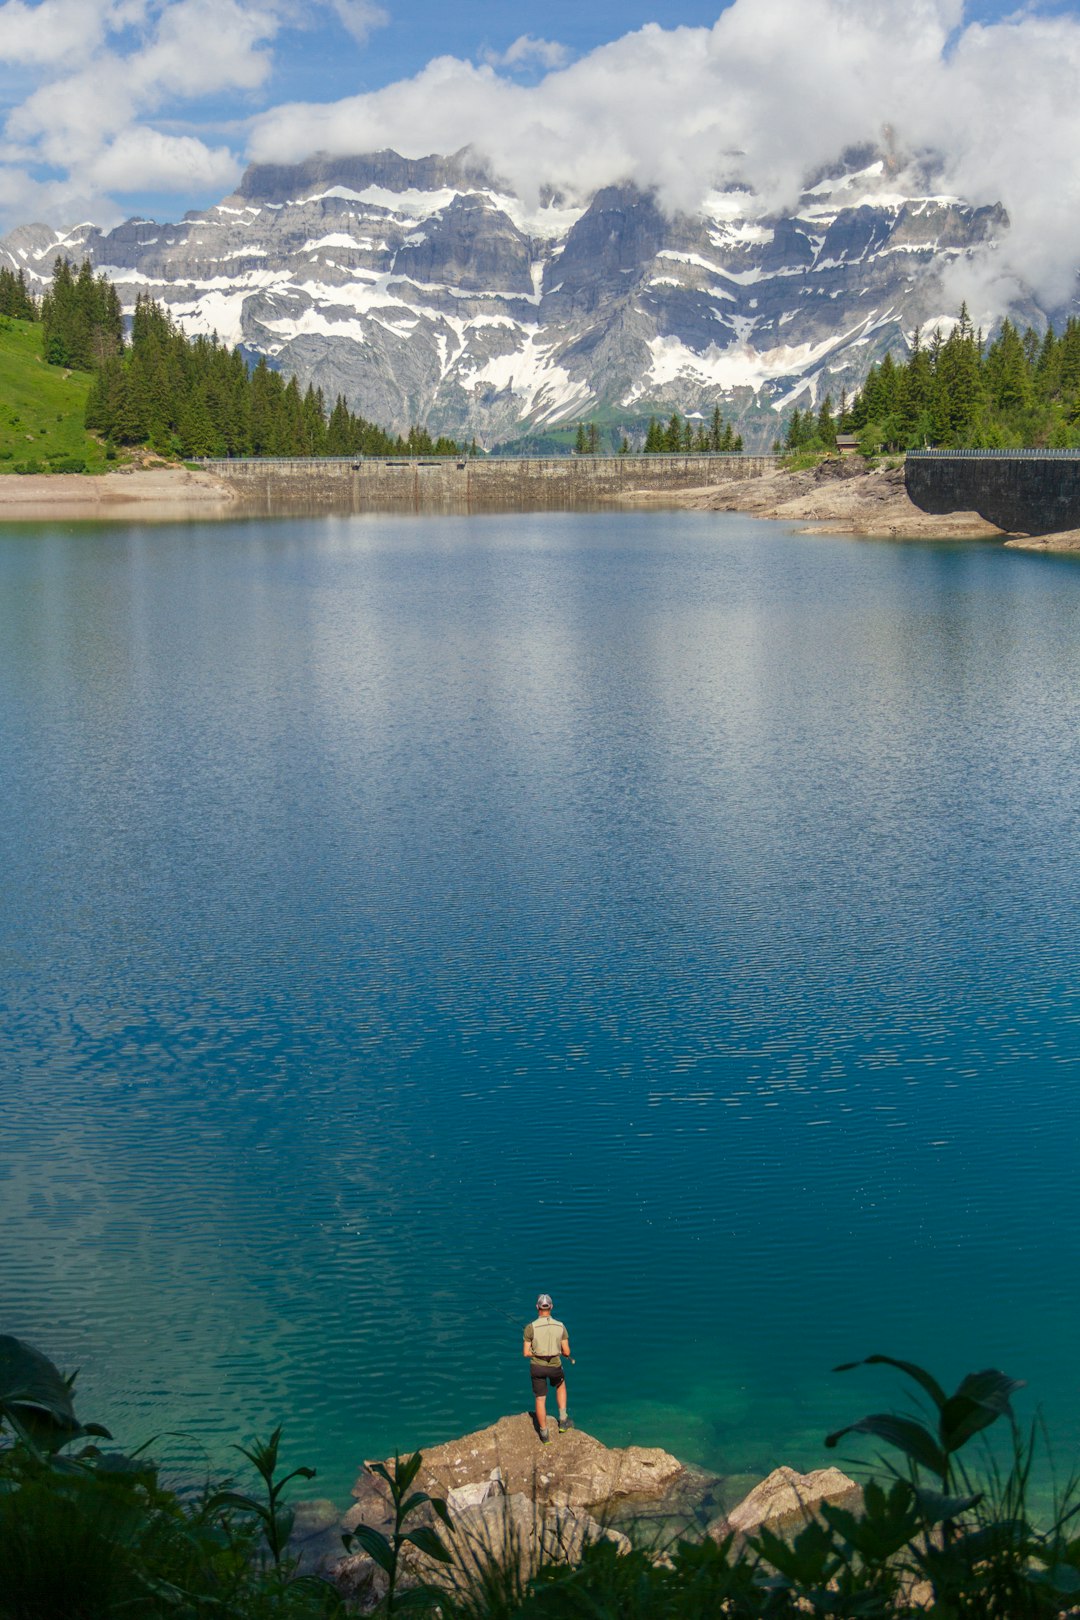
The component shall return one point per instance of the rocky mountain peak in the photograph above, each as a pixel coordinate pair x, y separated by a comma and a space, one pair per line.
425, 291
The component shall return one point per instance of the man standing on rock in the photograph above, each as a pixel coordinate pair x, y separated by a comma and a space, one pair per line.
544, 1339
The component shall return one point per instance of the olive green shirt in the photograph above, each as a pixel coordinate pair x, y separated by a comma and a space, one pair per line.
545, 1335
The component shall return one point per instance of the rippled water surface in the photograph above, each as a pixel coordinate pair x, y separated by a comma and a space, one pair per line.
398, 916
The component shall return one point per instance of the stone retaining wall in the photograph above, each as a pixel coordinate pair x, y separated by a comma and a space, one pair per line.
498, 483
1022, 491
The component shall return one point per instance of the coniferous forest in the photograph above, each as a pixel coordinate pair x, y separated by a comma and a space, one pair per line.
681, 437
193, 397
959, 392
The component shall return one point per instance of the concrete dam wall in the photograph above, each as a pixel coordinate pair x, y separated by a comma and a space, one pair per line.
501, 483
1022, 491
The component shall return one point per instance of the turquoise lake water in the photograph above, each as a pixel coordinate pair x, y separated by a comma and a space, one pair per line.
399, 916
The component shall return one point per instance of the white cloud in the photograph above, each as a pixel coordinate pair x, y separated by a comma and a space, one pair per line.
529, 52
99, 74
147, 160
774, 90
359, 17
60, 31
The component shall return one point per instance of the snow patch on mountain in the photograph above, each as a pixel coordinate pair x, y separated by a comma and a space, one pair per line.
424, 291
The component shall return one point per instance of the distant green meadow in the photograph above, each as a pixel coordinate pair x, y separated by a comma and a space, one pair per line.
42, 408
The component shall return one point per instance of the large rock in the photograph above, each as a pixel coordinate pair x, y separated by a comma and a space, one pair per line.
573, 1470
786, 1500
515, 1533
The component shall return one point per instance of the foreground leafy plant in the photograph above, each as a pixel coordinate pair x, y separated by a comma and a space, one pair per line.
387, 1550
272, 1514
36, 1400
980, 1558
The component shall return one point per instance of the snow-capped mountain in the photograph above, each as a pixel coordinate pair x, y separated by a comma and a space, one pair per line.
425, 293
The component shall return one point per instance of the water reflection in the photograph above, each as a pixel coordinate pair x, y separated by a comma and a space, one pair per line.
400, 914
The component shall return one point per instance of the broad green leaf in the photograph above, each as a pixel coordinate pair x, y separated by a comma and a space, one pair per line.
441, 1511
936, 1507
237, 1499
903, 1433
980, 1400
810, 1560
411, 1503
419, 1597
30, 1382
374, 1544
429, 1542
924, 1379
406, 1469
874, 1539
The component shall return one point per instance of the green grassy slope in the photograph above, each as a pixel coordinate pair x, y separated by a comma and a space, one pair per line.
41, 407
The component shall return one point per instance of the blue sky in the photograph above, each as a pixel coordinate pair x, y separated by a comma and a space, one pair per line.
116, 107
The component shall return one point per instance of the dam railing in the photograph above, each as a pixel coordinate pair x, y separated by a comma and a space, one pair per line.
995, 455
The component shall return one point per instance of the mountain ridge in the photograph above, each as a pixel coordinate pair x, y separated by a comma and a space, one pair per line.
424, 291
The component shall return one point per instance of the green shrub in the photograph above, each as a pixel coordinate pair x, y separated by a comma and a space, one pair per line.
91, 1534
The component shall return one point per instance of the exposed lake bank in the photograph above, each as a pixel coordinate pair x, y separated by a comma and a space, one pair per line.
148, 493
846, 497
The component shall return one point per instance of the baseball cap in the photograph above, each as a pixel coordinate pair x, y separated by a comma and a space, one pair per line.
543, 1303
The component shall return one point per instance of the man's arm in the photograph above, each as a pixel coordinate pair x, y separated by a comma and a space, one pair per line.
526, 1348
565, 1346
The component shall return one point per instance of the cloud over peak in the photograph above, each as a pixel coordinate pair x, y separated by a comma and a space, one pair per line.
774, 91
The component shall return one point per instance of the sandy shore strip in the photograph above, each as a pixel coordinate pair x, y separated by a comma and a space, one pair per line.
150, 493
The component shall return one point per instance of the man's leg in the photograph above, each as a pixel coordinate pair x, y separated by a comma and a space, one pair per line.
560, 1394
541, 1411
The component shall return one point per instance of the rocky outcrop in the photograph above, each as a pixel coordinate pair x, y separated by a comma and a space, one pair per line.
573, 1470
512, 1501
785, 1500
520, 1505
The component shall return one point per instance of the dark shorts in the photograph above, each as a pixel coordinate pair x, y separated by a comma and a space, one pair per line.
543, 1376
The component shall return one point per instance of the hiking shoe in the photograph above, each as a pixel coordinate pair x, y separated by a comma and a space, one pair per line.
544, 1436
565, 1423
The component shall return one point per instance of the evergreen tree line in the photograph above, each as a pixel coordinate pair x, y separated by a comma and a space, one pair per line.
1018, 391
679, 437
81, 319
15, 296
193, 396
